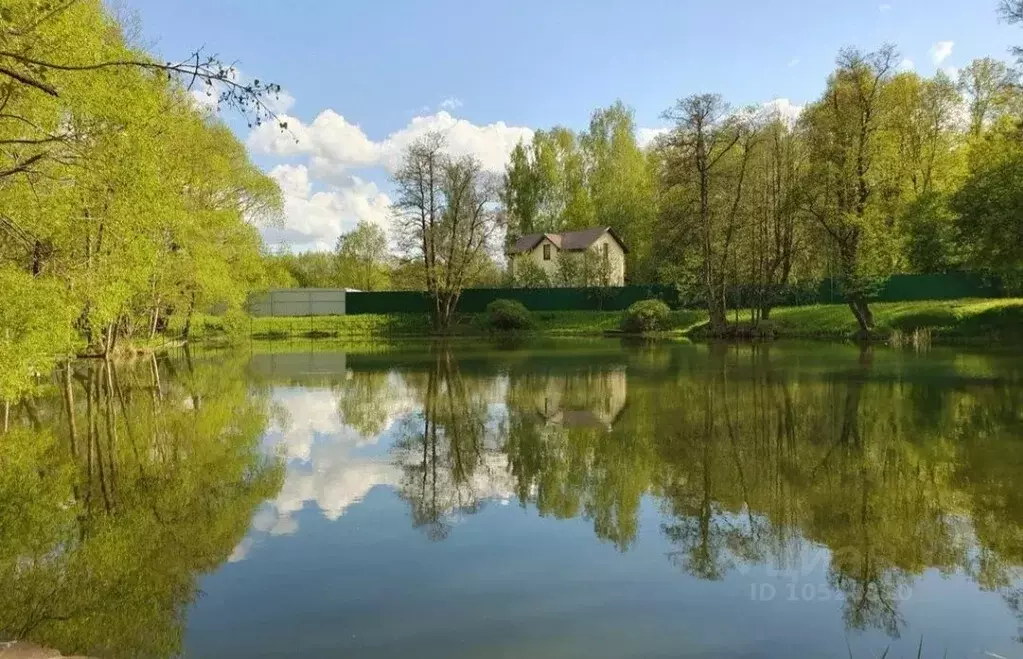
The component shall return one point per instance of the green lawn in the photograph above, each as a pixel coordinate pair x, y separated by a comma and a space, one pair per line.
997, 319
947, 319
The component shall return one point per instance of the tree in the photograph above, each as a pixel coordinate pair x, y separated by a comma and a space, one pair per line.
529, 274
1011, 11
302, 270
990, 86
846, 171
706, 162
988, 226
621, 184
50, 53
123, 204
771, 247
361, 258
544, 187
444, 217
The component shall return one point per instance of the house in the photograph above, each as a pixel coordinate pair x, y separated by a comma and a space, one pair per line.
596, 256
591, 399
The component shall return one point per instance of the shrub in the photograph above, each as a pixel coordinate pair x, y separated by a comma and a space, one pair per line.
646, 316
505, 315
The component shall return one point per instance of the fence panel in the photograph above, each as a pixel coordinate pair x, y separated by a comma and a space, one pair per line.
897, 288
298, 302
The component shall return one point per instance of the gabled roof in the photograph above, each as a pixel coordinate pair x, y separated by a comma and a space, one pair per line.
572, 241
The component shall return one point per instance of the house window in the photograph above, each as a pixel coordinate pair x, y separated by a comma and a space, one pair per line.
546, 252
605, 251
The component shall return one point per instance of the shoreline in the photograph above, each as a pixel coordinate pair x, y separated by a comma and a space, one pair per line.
951, 322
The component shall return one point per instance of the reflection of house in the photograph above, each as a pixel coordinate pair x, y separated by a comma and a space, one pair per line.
547, 250
588, 400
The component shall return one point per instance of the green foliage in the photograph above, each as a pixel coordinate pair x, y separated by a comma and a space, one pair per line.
988, 223
545, 185
646, 316
361, 258
36, 320
621, 184
529, 273
303, 270
931, 241
125, 205
508, 315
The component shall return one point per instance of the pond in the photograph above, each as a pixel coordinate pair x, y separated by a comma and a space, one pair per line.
572, 498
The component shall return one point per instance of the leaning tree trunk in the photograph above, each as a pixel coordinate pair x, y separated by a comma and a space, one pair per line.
861, 310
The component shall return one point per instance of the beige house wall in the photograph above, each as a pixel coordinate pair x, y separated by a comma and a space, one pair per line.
616, 256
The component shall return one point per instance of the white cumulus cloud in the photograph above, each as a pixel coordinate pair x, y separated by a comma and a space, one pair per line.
906, 65
315, 219
343, 145
940, 51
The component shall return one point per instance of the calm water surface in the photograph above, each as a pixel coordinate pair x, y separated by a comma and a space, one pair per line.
565, 499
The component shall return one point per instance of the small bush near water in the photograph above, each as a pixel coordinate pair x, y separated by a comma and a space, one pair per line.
646, 316
508, 315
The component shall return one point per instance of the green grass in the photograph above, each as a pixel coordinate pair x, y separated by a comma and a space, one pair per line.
554, 323
569, 323
952, 319
999, 320
405, 324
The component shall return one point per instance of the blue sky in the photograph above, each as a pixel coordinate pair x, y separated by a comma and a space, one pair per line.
507, 67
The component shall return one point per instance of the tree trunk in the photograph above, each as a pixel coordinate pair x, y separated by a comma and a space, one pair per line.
864, 317
186, 332
156, 318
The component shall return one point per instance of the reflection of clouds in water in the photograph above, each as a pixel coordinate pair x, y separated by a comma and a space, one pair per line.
321, 469
240, 551
307, 413
324, 465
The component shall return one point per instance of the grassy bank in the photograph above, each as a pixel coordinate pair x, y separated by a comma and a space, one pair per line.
552, 323
945, 320
998, 320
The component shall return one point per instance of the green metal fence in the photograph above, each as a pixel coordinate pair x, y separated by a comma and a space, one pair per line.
536, 299
897, 288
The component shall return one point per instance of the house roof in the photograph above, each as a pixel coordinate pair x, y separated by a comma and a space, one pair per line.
566, 240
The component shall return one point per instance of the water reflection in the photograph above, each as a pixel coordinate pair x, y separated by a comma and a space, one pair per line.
891, 468
871, 468
117, 492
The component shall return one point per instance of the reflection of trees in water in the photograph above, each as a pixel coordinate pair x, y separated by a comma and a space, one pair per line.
751, 463
441, 447
366, 401
565, 454
118, 492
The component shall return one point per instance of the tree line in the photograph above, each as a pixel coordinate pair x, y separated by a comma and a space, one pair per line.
125, 207
886, 172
